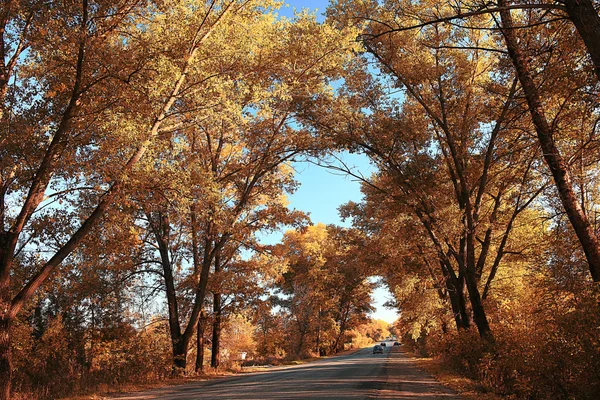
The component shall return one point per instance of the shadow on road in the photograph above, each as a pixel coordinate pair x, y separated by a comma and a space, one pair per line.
360, 375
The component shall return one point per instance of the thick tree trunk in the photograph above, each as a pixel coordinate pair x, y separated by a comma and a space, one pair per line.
200, 343
160, 226
318, 338
558, 166
302, 329
454, 284
587, 22
215, 358
455, 307
467, 268
479, 315
455, 288
466, 260
180, 349
209, 255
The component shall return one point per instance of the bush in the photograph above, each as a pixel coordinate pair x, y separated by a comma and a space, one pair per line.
108, 359
547, 348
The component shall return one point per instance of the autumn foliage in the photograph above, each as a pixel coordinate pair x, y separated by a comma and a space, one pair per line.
146, 148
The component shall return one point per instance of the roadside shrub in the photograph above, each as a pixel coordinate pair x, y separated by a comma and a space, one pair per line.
51, 366
546, 348
141, 357
462, 351
44, 360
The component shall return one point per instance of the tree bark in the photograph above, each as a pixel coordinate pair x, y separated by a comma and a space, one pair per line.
466, 259
180, 349
466, 263
479, 314
587, 22
342, 322
456, 289
454, 284
5, 345
215, 358
160, 225
471, 280
558, 166
200, 343
318, 338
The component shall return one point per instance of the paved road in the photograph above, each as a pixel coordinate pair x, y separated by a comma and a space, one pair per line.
360, 375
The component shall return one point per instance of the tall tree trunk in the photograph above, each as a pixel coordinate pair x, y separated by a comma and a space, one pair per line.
455, 288
5, 357
452, 294
302, 329
215, 358
462, 301
454, 284
318, 338
181, 340
471, 280
160, 225
210, 250
343, 321
200, 343
5, 345
587, 22
5, 320
466, 262
558, 166
479, 314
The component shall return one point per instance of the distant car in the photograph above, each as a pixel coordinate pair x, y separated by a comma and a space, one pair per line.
396, 344
383, 344
377, 349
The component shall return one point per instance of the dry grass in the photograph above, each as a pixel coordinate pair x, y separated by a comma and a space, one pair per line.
105, 391
467, 388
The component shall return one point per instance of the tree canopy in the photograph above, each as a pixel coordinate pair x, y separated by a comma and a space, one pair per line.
146, 148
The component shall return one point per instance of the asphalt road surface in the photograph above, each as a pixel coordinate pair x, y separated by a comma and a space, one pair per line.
359, 375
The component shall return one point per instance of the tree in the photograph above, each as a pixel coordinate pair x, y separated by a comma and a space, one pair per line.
456, 132
546, 133
83, 98
70, 97
223, 172
536, 16
325, 289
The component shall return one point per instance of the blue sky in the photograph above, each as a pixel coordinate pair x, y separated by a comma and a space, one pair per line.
288, 7
322, 191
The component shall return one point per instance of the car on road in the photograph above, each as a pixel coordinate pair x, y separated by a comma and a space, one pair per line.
383, 344
377, 349
396, 344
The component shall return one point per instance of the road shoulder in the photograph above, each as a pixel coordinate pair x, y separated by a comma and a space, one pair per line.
405, 380
469, 389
